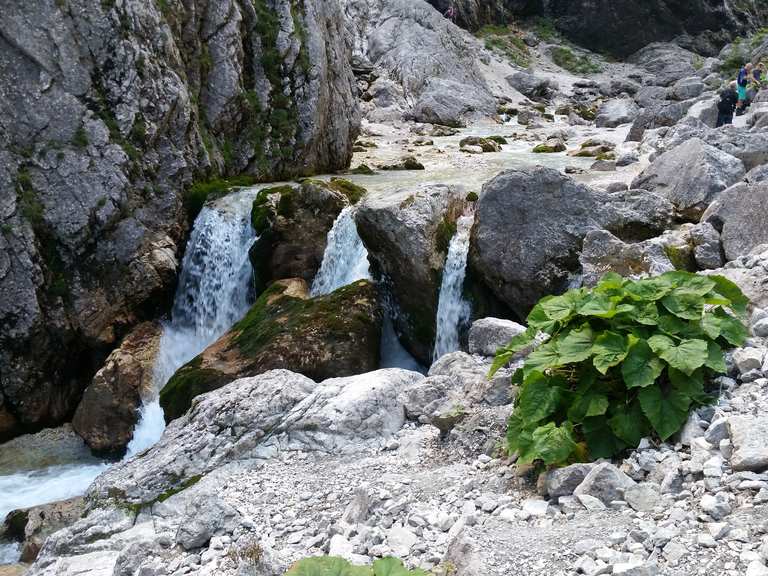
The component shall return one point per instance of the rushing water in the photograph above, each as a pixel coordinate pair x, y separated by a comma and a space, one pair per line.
345, 259
453, 311
215, 290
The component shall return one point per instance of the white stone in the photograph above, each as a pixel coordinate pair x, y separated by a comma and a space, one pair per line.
341, 547
749, 437
591, 503
747, 359
536, 507
756, 568
401, 540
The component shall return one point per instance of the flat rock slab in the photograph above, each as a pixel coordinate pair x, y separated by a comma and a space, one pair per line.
749, 437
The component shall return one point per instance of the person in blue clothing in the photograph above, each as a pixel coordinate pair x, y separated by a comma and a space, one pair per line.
742, 83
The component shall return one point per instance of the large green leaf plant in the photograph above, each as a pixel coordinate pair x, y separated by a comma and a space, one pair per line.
334, 566
624, 360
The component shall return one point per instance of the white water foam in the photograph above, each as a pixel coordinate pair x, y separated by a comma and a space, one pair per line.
453, 311
215, 291
345, 259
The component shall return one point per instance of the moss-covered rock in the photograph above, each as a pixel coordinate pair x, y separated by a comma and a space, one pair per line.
293, 224
334, 335
486, 144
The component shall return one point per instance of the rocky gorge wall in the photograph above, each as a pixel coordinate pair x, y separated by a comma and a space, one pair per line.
118, 107
610, 26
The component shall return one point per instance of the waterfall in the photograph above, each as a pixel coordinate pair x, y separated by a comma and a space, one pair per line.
215, 290
345, 259
453, 311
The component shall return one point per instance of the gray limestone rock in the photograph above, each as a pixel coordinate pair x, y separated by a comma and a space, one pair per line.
749, 437
487, 335
740, 213
605, 482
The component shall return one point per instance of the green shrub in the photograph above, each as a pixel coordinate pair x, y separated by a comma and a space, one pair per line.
333, 566
505, 41
80, 139
567, 60
624, 360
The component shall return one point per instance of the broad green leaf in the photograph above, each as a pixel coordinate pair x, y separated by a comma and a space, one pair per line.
732, 329
543, 358
553, 444
673, 325
596, 304
710, 325
683, 304
687, 356
660, 343
731, 291
538, 319
515, 426
641, 368
609, 350
327, 566
629, 424
647, 314
587, 405
390, 566
505, 354
539, 397
715, 358
601, 440
577, 345
666, 412
693, 283
610, 282
689, 385
558, 307
649, 289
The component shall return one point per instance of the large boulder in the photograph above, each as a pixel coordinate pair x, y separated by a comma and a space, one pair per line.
530, 225
691, 176
445, 83
109, 409
667, 63
334, 335
117, 108
740, 214
293, 223
616, 112
531, 86
407, 234
31, 526
259, 417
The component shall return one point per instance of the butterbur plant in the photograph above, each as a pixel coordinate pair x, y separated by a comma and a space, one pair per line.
624, 360
333, 566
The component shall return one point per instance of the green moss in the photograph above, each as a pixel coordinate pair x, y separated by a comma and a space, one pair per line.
472, 197
183, 486
188, 382
200, 192
139, 131
445, 232
567, 60
262, 213
363, 170
681, 258
286, 205
545, 149
507, 43
353, 192
606, 156
497, 139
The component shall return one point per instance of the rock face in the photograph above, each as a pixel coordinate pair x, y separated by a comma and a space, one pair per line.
748, 436
529, 227
407, 234
334, 335
257, 418
107, 414
487, 335
740, 214
117, 107
691, 176
444, 84
293, 224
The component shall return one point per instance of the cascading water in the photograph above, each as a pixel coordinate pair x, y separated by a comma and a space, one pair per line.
345, 259
215, 291
453, 311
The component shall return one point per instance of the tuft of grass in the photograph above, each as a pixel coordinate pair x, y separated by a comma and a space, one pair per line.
505, 41
566, 59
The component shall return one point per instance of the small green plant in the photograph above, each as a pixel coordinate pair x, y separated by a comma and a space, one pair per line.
80, 139
544, 28
567, 60
333, 566
200, 192
624, 360
506, 42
